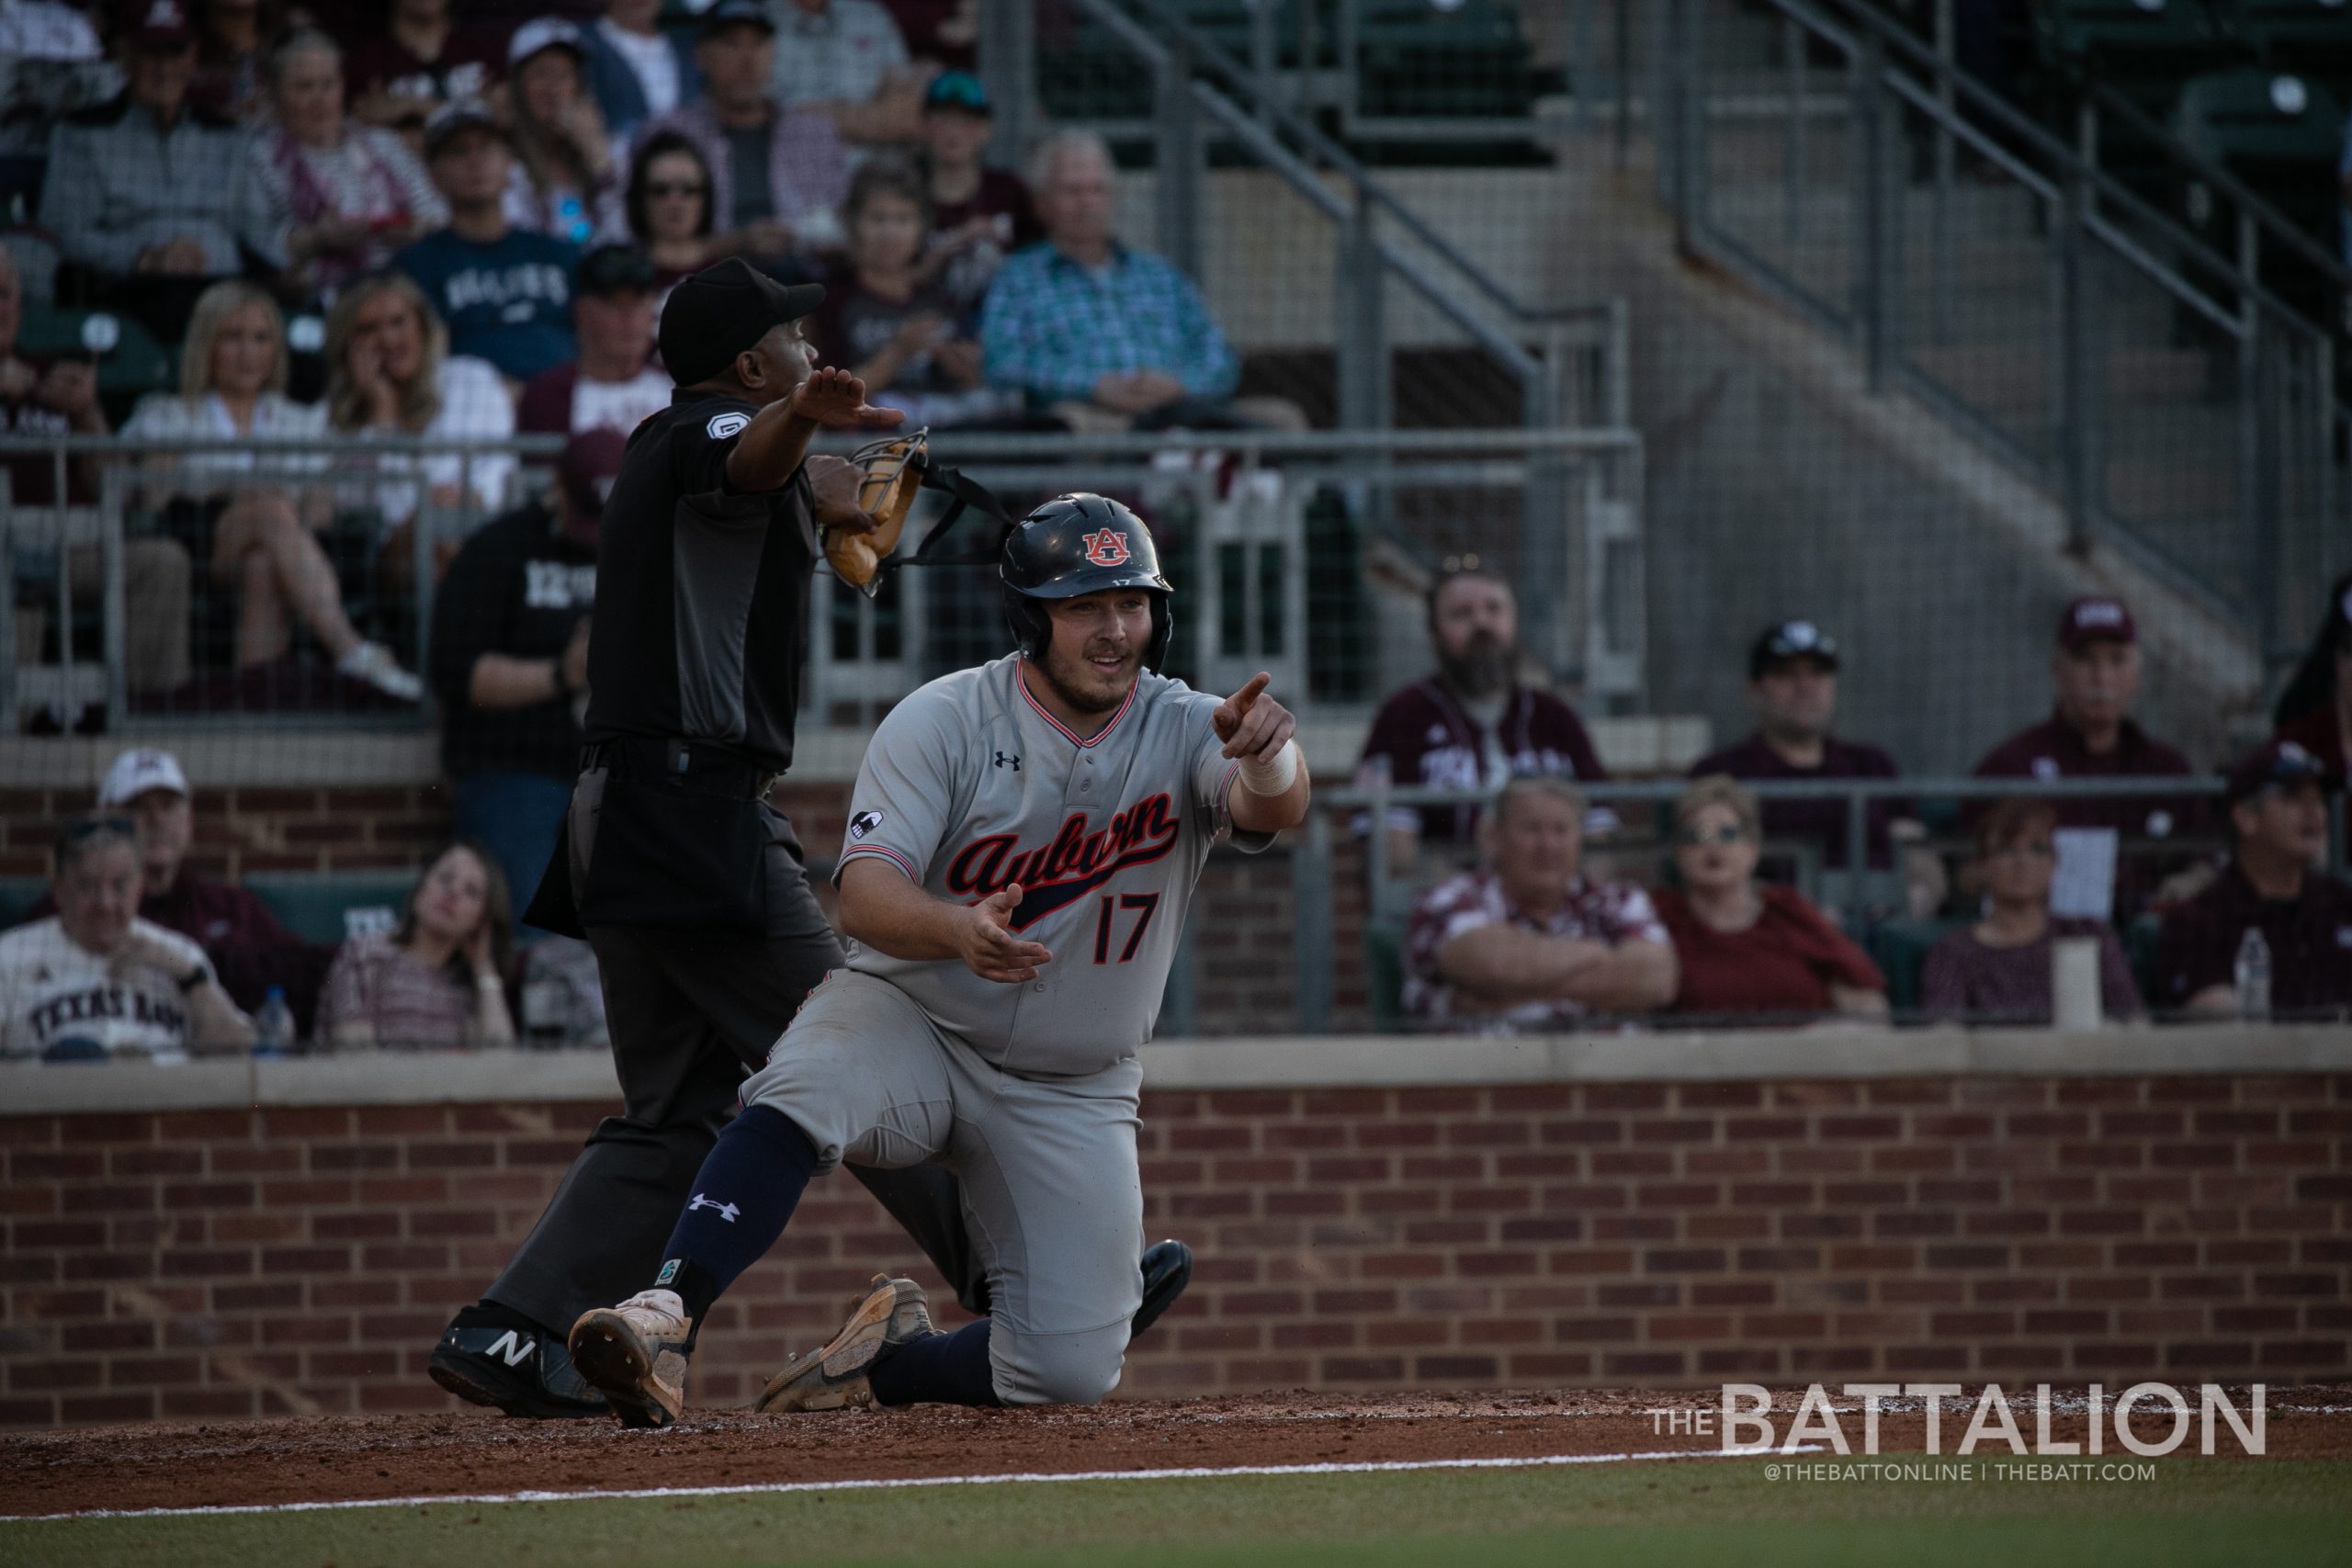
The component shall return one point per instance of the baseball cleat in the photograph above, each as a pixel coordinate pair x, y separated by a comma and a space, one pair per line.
636, 1353
835, 1377
1167, 1269
522, 1372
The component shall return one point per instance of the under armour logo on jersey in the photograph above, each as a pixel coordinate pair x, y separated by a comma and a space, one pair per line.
1005, 761
723, 425
1107, 546
726, 1210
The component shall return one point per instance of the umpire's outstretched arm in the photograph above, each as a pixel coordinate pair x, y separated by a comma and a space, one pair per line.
776, 441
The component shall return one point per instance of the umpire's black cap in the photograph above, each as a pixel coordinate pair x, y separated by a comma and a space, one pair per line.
720, 312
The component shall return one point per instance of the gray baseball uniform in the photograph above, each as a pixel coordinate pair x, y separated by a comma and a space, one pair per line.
1027, 1091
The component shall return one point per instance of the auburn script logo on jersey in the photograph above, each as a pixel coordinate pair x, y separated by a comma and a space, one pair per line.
1073, 865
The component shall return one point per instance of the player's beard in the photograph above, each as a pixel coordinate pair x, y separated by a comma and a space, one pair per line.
1063, 674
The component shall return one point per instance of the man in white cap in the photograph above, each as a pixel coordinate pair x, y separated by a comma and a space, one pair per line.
250, 951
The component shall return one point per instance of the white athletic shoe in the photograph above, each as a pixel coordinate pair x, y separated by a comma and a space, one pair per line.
635, 1354
374, 663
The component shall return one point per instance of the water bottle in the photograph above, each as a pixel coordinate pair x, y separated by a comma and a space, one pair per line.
2254, 975
273, 1025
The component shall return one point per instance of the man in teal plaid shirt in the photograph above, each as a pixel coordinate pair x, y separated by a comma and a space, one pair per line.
1101, 336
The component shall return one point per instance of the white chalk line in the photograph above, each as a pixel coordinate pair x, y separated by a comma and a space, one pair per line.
778, 1488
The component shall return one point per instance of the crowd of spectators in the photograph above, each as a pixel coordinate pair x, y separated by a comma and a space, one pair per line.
1526, 937
487, 207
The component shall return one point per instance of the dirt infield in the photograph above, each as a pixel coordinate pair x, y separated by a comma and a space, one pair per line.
320, 1458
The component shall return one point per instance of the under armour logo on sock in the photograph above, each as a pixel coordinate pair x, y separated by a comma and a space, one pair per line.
726, 1210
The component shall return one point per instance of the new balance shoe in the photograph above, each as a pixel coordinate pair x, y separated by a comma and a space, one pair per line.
525, 1371
635, 1354
835, 1377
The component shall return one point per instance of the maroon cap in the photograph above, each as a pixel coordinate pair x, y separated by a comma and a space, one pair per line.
2275, 762
2096, 619
151, 23
585, 471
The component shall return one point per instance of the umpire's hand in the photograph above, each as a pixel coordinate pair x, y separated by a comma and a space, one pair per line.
989, 949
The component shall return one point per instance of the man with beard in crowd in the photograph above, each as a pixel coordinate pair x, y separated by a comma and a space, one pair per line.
1471, 726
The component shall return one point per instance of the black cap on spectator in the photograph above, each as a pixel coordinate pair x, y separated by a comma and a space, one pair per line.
723, 310
2273, 764
737, 14
157, 24
615, 269
1791, 639
957, 90
454, 120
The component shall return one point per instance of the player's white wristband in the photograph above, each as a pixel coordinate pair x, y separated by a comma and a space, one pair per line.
1274, 777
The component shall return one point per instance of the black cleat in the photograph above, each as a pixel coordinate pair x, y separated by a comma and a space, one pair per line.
522, 1372
1167, 1269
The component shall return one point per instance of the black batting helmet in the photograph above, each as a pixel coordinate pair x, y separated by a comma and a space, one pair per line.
1074, 544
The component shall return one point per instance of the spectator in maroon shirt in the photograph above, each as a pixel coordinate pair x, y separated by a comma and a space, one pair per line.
1531, 942
1471, 726
2316, 710
2278, 806
1998, 971
249, 950
1792, 686
2096, 670
979, 215
1749, 952
421, 62
611, 385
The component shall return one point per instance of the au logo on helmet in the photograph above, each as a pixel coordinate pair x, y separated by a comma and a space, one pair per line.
1107, 547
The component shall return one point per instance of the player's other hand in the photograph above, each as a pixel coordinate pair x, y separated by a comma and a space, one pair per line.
1252, 724
836, 399
989, 947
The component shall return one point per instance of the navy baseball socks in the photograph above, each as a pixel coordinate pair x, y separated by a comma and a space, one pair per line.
744, 1195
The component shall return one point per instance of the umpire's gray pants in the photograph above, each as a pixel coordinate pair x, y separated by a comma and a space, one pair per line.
1052, 1195
689, 1015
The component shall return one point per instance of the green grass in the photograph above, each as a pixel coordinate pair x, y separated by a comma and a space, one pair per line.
2272, 1512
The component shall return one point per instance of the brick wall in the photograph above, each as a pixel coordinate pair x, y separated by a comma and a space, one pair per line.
1241, 916
223, 1263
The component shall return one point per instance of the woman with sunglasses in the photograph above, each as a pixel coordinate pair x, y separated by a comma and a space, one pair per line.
1751, 952
666, 207
1997, 970
94, 980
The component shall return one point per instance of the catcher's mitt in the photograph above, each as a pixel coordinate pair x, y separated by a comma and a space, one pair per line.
894, 469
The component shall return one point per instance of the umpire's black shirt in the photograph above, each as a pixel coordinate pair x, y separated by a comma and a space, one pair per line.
702, 593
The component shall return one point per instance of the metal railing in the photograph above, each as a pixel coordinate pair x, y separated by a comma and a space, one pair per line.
2176, 410
1314, 873
1267, 585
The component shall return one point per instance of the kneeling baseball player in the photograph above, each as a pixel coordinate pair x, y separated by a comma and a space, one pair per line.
1023, 844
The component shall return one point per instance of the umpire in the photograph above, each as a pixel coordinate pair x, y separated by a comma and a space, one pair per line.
687, 884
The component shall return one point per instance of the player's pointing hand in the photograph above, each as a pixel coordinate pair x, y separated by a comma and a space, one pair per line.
989, 947
1252, 724
836, 399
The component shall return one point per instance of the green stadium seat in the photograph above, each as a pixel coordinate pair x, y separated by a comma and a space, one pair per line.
2310, 38
17, 896
1899, 947
333, 907
2281, 134
1383, 973
2142, 50
1414, 60
137, 363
